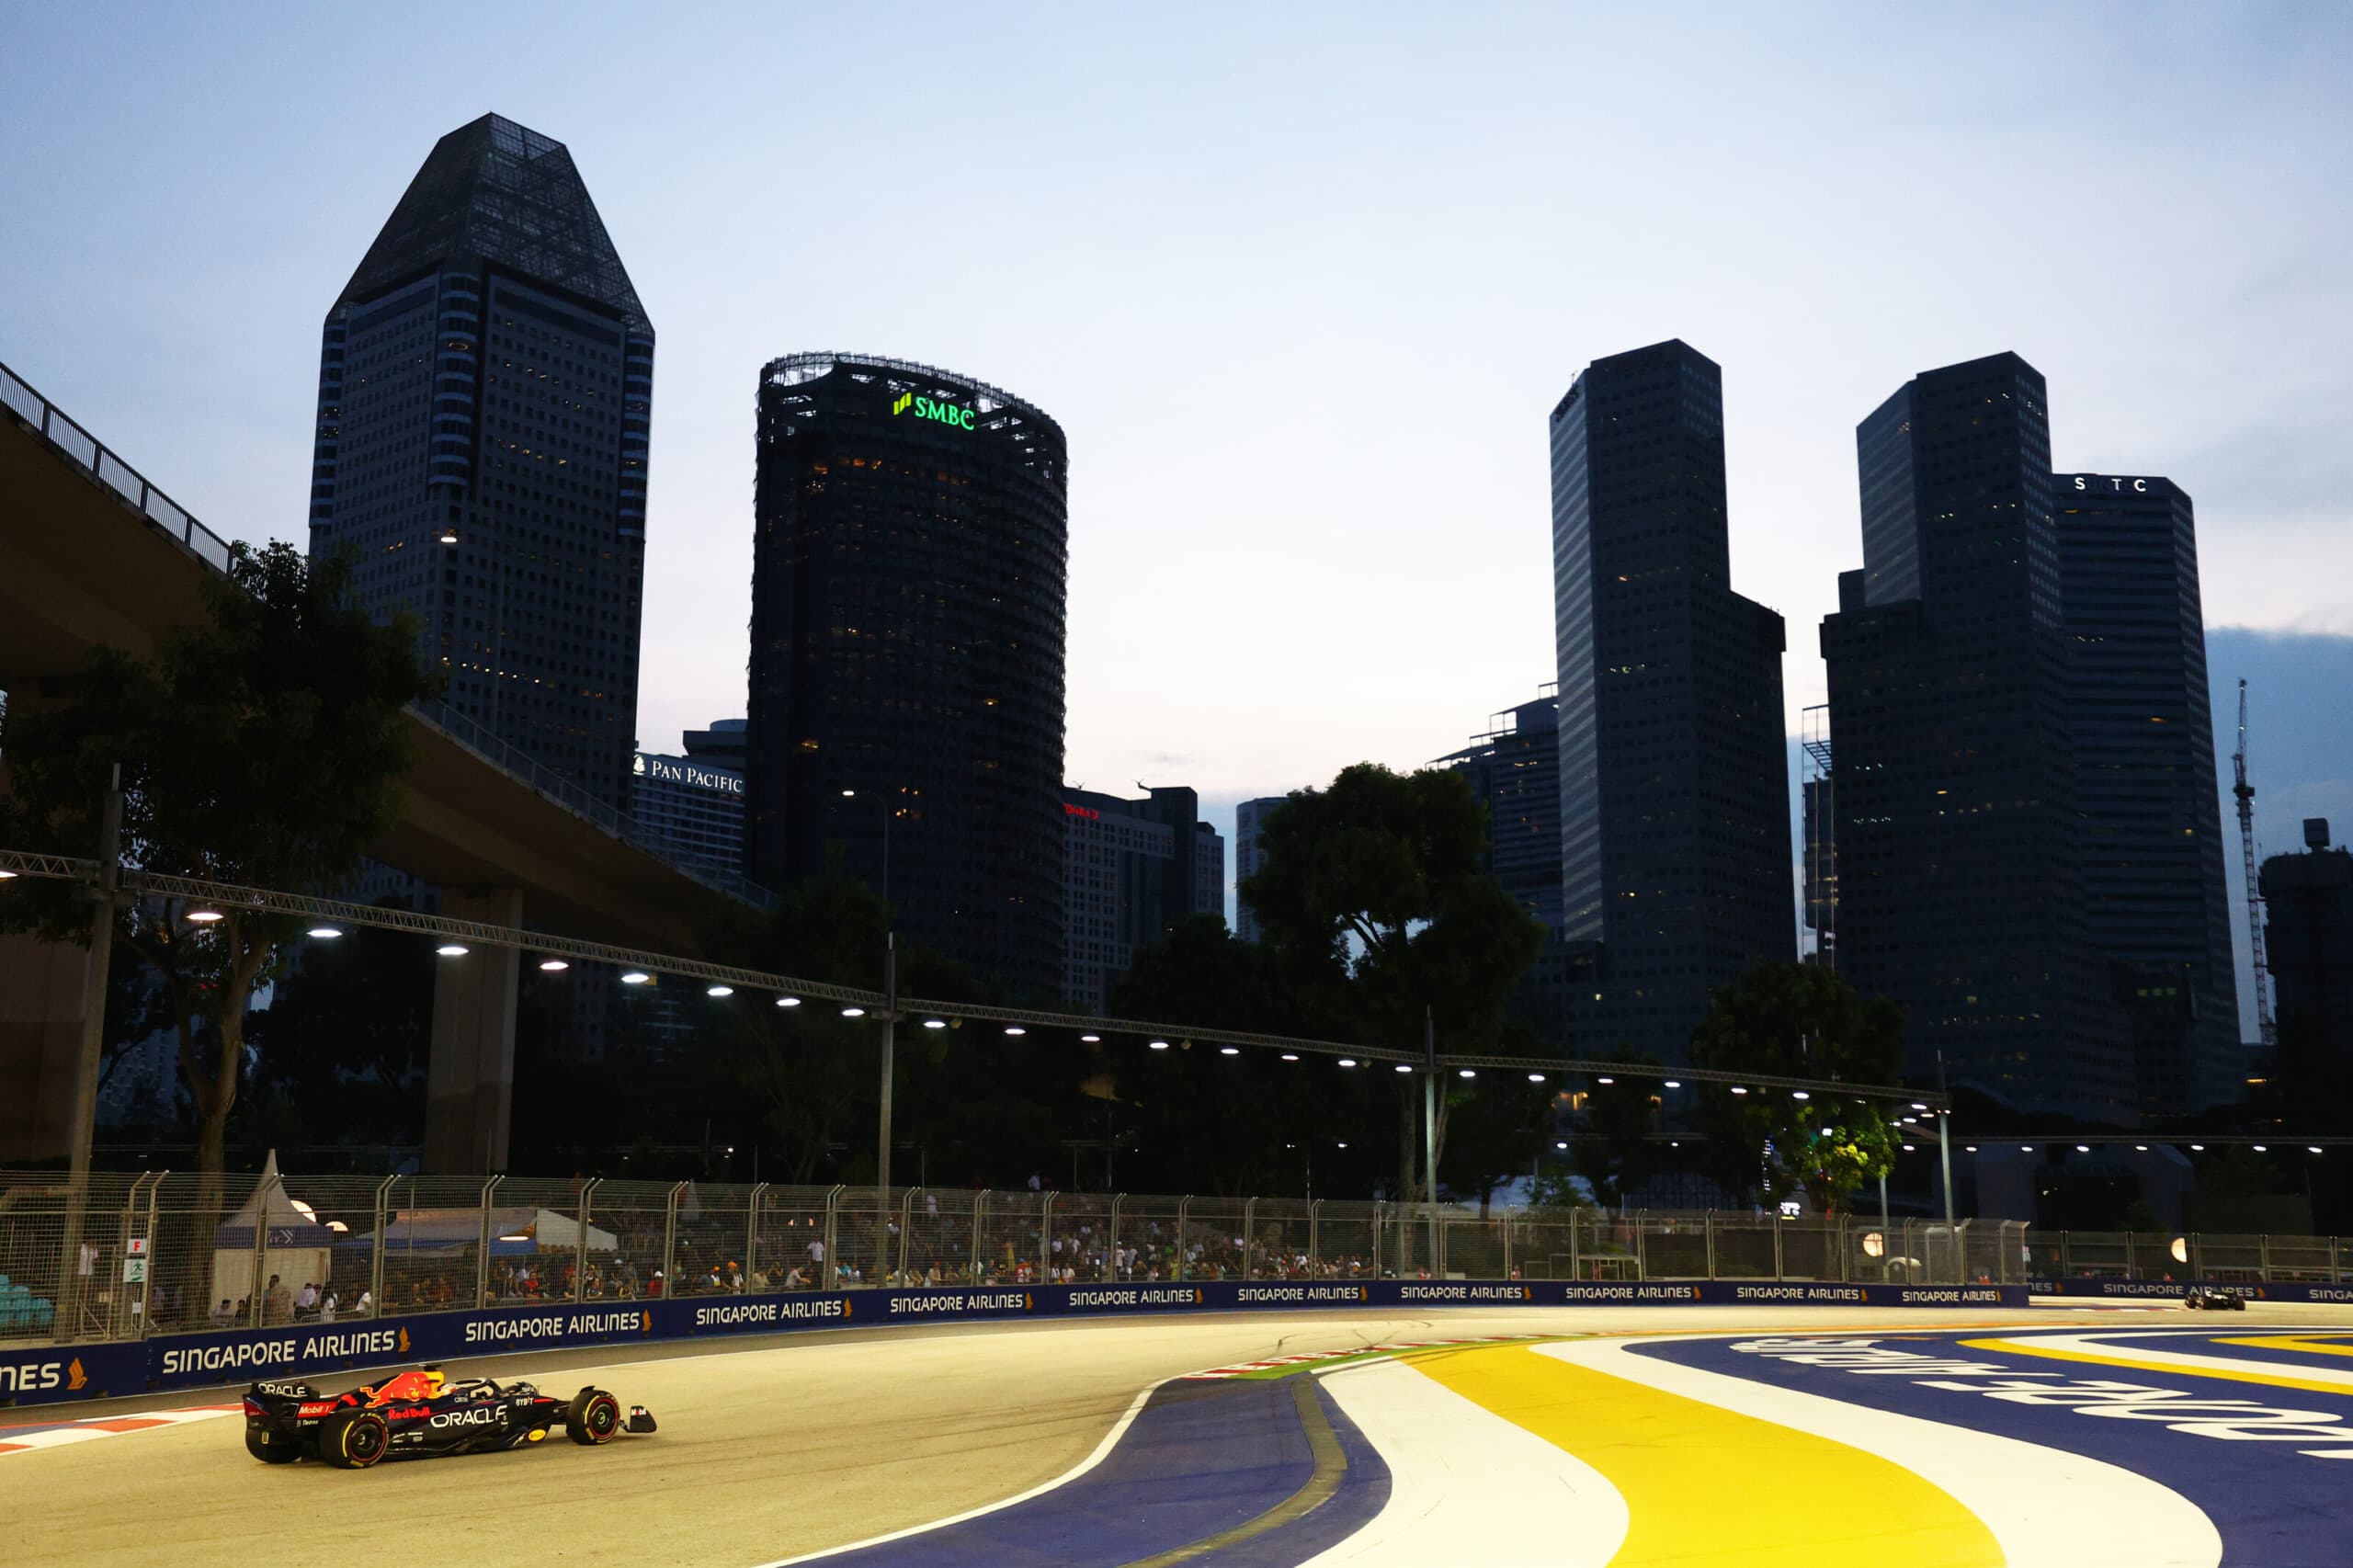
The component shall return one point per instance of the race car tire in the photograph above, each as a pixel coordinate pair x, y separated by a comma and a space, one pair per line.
2193, 1303
594, 1418
355, 1441
273, 1447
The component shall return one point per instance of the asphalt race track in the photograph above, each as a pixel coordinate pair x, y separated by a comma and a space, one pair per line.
1624, 1437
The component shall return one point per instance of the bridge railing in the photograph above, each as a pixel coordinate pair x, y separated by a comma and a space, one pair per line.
87, 453
127, 1255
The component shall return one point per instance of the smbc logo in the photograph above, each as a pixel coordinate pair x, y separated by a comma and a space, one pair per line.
925, 408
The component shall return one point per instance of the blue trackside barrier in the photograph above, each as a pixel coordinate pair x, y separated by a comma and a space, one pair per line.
239, 1357
2288, 1290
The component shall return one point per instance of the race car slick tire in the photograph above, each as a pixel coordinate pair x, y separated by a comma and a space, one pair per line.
595, 1418
355, 1441
271, 1448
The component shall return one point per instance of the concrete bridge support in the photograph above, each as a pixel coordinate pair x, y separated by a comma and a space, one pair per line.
470, 1070
41, 990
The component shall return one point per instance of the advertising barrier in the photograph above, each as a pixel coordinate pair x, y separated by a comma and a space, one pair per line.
2290, 1290
211, 1360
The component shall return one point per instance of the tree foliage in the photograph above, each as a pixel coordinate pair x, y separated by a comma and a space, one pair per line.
1799, 1022
261, 745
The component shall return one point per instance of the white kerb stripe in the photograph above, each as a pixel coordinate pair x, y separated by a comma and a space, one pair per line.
1459, 1473
2135, 1347
2047, 1507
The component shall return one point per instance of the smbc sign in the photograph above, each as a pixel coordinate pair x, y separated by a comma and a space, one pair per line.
929, 408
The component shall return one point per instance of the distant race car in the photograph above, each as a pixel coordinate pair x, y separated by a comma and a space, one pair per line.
2202, 1298
422, 1415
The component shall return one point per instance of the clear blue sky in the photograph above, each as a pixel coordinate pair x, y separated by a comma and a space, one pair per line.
1302, 284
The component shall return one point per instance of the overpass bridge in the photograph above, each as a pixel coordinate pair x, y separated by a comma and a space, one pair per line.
91, 553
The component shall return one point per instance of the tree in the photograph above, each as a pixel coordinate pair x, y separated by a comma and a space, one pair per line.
261, 747
1376, 897
341, 1047
1616, 1152
1799, 1022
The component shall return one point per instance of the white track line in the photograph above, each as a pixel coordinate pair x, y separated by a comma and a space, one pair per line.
2133, 1347
1458, 1472
87, 1429
2047, 1507
1102, 1451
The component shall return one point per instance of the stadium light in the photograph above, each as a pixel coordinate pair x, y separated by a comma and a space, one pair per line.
552, 966
1015, 1031
719, 991
2312, 1148
1673, 1084
1919, 1105
1091, 1039
935, 1023
1560, 1145
1159, 1045
1467, 1072
2198, 1147
2140, 1148
1969, 1148
1800, 1095
2082, 1148
1738, 1090
637, 977
853, 1012
1404, 1067
204, 916
452, 949
1291, 1056
324, 933
7, 875
1605, 1080
1909, 1147
1347, 1061
449, 534
787, 1001
2262, 1148
1229, 1050
1536, 1077
2026, 1148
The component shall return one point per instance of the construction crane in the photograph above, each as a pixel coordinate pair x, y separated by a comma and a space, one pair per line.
2245, 793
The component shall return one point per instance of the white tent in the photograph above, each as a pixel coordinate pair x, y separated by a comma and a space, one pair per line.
285, 1234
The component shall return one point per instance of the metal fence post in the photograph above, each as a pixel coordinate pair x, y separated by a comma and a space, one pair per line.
481, 1253
980, 1209
1118, 1272
2263, 1256
906, 1230
1380, 1219
147, 1278
376, 1253
1505, 1221
670, 1233
1046, 1236
1249, 1237
2333, 1276
831, 1273
256, 1299
2196, 1257
1315, 1239
580, 1241
751, 1229
1183, 1204
2066, 1257
1711, 1223
1641, 1247
1781, 1264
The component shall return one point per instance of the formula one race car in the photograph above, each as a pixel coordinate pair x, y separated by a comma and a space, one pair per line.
422, 1415
2202, 1298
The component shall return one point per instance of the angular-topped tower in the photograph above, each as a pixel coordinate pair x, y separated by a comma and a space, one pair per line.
485, 397
1674, 775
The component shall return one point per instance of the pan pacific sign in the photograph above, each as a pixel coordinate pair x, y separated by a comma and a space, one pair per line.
929, 408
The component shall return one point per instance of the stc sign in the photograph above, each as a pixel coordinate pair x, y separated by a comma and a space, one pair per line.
2089, 482
671, 771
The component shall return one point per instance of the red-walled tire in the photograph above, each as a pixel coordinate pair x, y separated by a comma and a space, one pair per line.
594, 1418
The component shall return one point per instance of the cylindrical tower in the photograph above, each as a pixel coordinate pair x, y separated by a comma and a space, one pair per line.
908, 586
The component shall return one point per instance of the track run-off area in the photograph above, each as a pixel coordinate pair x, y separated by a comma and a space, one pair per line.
1678, 1435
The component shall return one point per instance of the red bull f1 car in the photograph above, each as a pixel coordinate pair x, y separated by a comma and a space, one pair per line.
423, 1415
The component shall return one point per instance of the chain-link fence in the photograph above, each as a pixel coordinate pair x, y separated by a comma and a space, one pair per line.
127, 1255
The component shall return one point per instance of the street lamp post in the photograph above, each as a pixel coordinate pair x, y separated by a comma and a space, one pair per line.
889, 1012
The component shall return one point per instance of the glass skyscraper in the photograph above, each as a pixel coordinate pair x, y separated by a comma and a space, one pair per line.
486, 395
1515, 769
1674, 773
909, 571
2143, 742
1961, 881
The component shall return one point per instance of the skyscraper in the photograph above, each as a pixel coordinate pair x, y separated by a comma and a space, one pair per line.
485, 397
1675, 821
2308, 935
1249, 818
908, 577
2143, 740
1515, 769
1130, 868
1961, 893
